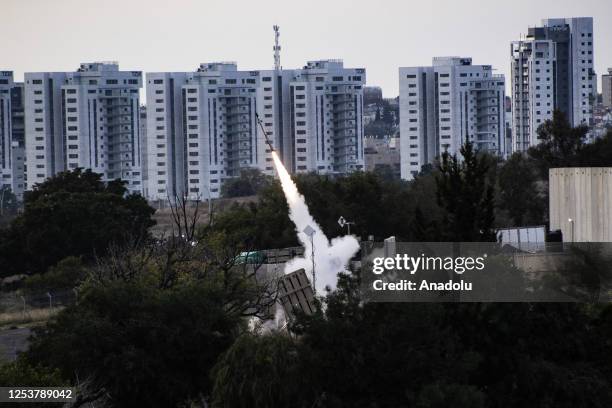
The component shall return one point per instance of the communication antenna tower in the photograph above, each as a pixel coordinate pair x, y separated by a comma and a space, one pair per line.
277, 48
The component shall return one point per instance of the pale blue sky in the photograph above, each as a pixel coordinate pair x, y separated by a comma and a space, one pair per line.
380, 35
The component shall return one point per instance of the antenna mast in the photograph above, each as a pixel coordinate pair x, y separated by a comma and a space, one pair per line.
277, 64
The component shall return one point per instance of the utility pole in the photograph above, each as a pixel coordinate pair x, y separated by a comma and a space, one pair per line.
309, 231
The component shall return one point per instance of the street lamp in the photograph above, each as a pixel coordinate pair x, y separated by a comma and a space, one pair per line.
342, 222
571, 221
309, 231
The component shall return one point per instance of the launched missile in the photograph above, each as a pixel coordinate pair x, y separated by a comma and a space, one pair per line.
267, 140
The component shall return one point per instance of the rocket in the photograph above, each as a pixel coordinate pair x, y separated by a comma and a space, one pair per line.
267, 140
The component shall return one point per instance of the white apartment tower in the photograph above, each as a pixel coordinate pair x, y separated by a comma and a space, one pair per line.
201, 129
88, 118
446, 105
326, 114
12, 154
552, 68
202, 126
142, 137
606, 89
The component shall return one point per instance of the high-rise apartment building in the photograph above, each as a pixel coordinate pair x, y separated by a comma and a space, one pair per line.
552, 68
606, 89
446, 105
202, 127
12, 153
326, 117
88, 118
142, 136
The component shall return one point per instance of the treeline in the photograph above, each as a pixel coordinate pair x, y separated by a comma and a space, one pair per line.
71, 214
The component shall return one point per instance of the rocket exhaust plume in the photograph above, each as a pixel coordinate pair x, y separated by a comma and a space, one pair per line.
330, 258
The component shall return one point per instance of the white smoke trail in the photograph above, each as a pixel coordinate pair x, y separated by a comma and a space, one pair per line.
329, 258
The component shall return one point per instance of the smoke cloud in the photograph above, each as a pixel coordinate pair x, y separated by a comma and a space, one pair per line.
330, 258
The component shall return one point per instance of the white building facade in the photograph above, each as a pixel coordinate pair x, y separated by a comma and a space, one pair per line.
326, 118
446, 105
202, 126
12, 153
552, 68
88, 119
606, 89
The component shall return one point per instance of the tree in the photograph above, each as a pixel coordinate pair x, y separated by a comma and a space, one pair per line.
464, 355
8, 202
519, 193
20, 373
378, 206
249, 183
465, 192
598, 153
72, 214
144, 346
362, 354
170, 306
259, 372
67, 274
559, 144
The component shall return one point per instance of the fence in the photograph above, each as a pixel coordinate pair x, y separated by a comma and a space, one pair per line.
281, 255
18, 310
16, 307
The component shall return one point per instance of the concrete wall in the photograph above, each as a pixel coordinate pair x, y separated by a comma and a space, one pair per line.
583, 195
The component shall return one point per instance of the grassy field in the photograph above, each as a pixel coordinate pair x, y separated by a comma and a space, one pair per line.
19, 318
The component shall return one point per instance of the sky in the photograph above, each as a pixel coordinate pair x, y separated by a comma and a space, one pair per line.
379, 35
